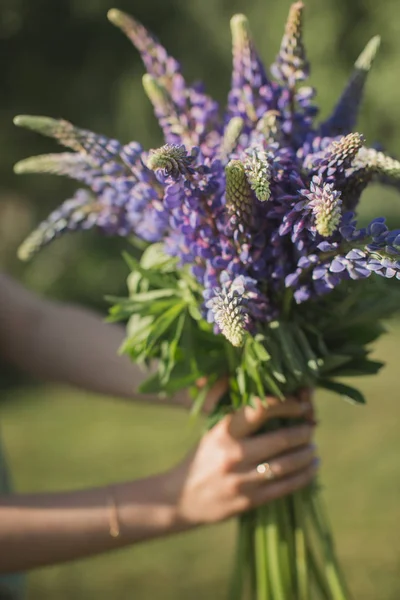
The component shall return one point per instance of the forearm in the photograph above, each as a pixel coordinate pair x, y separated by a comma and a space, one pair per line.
44, 529
74, 346
67, 344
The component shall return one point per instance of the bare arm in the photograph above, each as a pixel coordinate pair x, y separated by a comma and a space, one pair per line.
219, 479
68, 344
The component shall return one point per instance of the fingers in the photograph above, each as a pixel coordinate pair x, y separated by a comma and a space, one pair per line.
281, 466
283, 487
267, 445
250, 419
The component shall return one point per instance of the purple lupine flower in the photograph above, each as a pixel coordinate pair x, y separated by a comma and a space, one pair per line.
257, 201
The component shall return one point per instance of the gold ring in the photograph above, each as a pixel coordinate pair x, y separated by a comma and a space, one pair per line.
265, 470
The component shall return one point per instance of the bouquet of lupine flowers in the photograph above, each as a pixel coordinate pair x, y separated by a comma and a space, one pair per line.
251, 264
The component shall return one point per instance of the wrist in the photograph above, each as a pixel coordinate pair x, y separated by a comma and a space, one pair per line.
147, 508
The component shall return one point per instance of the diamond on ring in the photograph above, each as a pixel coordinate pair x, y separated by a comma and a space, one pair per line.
265, 470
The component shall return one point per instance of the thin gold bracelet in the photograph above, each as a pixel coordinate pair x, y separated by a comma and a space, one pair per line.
113, 519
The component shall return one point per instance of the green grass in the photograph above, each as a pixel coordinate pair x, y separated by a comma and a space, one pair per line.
61, 439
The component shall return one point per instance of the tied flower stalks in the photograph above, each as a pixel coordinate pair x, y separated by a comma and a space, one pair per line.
254, 264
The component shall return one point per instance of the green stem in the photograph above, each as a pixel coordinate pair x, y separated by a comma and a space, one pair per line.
239, 565
284, 539
271, 520
287, 546
301, 549
261, 558
319, 578
334, 577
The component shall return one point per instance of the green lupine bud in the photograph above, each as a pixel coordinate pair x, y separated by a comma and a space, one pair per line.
243, 54
164, 108
170, 158
64, 163
229, 316
258, 174
60, 129
346, 111
367, 56
239, 196
328, 215
98, 147
270, 126
345, 149
231, 135
291, 64
157, 94
240, 30
377, 162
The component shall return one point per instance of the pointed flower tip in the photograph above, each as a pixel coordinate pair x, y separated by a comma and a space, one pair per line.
295, 15
20, 167
32, 121
29, 246
22, 253
37, 123
367, 56
117, 17
240, 30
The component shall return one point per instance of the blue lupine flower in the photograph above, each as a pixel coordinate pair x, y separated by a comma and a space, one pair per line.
260, 200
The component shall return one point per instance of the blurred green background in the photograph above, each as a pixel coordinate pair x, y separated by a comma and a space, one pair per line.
62, 58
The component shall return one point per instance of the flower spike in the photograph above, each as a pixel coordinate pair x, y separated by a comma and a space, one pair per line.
248, 74
239, 196
231, 136
80, 212
270, 126
172, 160
344, 116
258, 174
377, 162
291, 64
326, 205
155, 58
71, 164
229, 316
181, 100
80, 140
174, 127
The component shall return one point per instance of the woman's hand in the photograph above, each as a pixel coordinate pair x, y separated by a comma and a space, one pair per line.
233, 470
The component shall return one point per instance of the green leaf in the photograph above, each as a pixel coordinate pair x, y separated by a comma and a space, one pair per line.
152, 295
349, 393
154, 258
172, 349
333, 361
358, 368
260, 351
151, 385
288, 350
164, 322
305, 348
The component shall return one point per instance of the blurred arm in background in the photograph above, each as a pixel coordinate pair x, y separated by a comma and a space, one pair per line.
217, 480
67, 344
